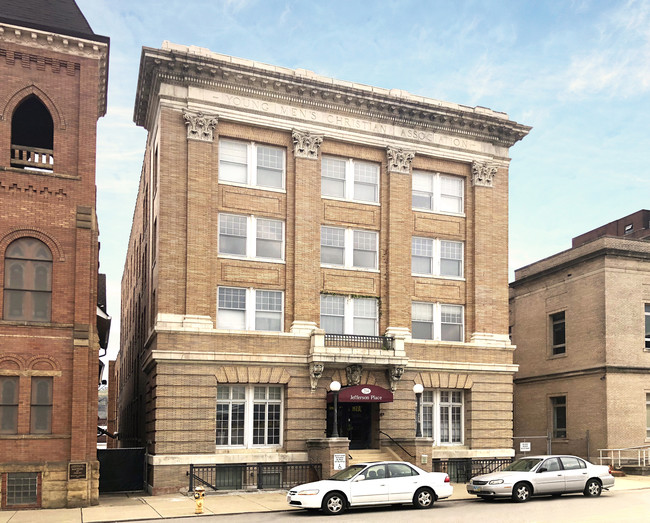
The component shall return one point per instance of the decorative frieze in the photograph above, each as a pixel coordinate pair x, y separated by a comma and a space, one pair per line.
483, 174
306, 145
200, 126
399, 160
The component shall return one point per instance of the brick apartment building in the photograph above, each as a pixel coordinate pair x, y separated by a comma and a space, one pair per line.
581, 323
53, 90
291, 231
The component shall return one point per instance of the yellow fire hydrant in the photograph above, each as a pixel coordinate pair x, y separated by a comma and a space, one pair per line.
199, 494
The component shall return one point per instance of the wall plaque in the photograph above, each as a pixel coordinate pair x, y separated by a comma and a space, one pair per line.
77, 471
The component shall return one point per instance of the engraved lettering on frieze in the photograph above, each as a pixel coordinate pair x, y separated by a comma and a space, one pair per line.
399, 160
306, 145
315, 373
483, 174
200, 126
394, 375
353, 374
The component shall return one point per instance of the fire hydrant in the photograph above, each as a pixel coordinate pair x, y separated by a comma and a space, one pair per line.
199, 494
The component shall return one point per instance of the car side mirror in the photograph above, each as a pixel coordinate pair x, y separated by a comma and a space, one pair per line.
360, 477
543, 469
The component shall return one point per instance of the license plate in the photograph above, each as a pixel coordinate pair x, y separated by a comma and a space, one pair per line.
477, 489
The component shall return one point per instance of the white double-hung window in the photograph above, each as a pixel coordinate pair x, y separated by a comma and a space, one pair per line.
434, 257
348, 248
348, 315
249, 309
349, 179
251, 164
437, 321
249, 415
442, 416
251, 237
438, 192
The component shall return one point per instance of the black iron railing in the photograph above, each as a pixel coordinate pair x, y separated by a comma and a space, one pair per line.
396, 443
463, 469
259, 475
353, 341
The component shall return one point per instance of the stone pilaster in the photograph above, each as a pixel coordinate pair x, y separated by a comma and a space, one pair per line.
400, 227
307, 194
322, 450
201, 160
490, 195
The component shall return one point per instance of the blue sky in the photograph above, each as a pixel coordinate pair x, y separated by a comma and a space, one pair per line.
577, 71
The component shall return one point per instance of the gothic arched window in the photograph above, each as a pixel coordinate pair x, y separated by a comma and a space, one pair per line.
32, 136
28, 281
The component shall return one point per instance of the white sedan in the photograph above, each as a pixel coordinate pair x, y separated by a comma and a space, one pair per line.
540, 475
379, 483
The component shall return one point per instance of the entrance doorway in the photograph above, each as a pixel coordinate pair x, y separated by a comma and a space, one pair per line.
359, 422
358, 415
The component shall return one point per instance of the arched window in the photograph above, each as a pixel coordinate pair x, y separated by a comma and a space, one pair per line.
28, 281
32, 136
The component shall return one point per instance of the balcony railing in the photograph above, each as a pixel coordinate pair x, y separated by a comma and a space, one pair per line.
32, 158
353, 341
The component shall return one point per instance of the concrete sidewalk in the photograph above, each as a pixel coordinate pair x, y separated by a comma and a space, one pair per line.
127, 507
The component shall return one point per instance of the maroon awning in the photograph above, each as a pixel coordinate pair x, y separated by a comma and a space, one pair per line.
362, 394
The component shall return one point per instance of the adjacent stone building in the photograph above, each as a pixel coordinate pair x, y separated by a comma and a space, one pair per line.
581, 323
293, 230
53, 72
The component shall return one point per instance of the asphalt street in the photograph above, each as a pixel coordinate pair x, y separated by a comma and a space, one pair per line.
611, 507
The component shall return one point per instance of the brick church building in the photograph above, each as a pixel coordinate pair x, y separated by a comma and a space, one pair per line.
53, 71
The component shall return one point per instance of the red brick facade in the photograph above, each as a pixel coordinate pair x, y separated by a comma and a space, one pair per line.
55, 205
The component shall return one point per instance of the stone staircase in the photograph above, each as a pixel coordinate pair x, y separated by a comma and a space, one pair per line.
367, 455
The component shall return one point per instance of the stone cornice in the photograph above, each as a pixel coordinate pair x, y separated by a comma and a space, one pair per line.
64, 44
190, 66
602, 370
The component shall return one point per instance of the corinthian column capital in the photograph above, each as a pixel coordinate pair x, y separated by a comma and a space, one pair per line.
483, 174
399, 160
200, 126
305, 144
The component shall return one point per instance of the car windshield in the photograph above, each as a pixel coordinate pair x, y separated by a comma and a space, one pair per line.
523, 465
348, 473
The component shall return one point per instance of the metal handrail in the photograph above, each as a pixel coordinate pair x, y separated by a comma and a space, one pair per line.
396, 443
642, 455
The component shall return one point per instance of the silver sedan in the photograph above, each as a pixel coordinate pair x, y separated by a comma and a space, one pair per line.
540, 475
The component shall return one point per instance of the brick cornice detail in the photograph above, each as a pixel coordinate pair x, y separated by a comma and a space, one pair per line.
73, 46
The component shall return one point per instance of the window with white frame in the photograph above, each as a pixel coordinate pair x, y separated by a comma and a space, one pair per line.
647, 415
434, 257
249, 309
437, 321
252, 164
348, 315
442, 416
438, 192
647, 325
249, 415
251, 237
349, 179
348, 248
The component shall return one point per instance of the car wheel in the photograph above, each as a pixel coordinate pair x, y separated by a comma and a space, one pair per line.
593, 488
423, 498
334, 503
521, 492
